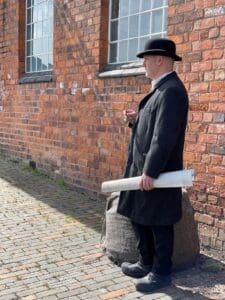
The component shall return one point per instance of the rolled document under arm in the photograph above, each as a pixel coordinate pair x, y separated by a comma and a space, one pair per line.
182, 178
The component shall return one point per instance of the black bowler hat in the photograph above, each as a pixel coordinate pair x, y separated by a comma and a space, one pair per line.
160, 46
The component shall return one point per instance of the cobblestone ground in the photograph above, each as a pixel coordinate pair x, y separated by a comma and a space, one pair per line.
50, 247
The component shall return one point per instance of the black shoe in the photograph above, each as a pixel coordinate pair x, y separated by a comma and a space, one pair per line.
152, 282
136, 270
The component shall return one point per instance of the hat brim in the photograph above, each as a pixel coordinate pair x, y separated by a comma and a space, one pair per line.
159, 52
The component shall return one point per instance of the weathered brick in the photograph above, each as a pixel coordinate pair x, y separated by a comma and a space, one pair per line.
207, 117
220, 224
204, 24
219, 180
214, 210
114, 294
203, 218
208, 138
218, 117
212, 199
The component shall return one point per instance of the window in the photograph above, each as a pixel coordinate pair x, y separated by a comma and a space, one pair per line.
39, 35
132, 22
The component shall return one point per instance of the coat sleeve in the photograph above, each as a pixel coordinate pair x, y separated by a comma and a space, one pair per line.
170, 122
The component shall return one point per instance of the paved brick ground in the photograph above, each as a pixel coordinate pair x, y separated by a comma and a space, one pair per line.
50, 247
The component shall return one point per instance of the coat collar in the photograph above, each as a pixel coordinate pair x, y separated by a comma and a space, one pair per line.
155, 81
158, 84
164, 79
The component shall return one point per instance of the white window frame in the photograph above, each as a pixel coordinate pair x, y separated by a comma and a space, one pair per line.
163, 33
49, 37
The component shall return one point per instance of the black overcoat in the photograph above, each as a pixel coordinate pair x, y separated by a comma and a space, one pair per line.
156, 146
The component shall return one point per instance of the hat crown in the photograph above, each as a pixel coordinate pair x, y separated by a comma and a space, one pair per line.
161, 44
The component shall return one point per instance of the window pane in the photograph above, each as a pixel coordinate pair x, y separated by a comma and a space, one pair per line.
28, 66
29, 3
133, 30
38, 46
133, 49
145, 24
44, 62
50, 31
39, 12
123, 28
46, 27
29, 16
39, 39
50, 8
39, 63
114, 31
34, 47
145, 5
115, 9
29, 48
113, 53
30, 32
35, 14
45, 45
157, 3
33, 64
35, 26
45, 10
165, 19
124, 8
123, 51
157, 35
50, 45
156, 21
132, 22
142, 43
39, 29
50, 62
134, 6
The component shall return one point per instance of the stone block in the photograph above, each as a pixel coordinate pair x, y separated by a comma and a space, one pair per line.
120, 241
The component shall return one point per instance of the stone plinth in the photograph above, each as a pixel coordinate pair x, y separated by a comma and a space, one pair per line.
120, 241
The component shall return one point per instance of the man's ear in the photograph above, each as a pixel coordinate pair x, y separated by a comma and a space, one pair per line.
159, 60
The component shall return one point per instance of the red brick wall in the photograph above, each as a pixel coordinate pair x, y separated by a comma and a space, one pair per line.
73, 125
198, 27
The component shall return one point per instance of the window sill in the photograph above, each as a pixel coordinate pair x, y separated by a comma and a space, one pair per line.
124, 70
36, 77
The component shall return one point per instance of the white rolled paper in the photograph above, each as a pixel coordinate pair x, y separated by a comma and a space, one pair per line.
182, 178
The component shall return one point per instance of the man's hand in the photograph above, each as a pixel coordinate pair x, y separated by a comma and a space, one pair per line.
130, 115
146, 183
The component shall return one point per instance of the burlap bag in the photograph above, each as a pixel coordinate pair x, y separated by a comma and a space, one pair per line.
120, 241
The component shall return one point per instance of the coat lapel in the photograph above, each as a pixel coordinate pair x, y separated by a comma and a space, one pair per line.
148, 96
141, 104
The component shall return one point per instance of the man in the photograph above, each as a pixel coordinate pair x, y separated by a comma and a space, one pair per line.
156, 146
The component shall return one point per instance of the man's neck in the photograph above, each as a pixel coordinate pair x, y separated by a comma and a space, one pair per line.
155, 81
162, 73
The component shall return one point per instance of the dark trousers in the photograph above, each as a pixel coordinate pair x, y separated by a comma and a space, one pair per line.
155, 245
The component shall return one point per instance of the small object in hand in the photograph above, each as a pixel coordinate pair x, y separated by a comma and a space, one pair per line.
125, 119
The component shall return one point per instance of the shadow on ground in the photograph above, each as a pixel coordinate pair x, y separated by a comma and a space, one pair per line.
206, 280
55, 193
